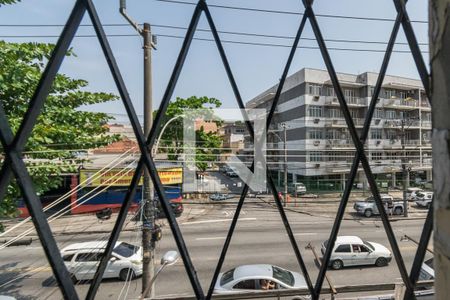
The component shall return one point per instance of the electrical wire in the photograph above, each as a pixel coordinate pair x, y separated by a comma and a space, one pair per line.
223, 41
284, 12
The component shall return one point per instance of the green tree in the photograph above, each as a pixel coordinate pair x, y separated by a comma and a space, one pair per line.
62, 130
172, 138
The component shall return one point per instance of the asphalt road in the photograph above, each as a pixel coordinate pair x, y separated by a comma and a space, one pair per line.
260, 237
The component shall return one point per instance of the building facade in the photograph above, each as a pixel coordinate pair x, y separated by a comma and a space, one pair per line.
319, 147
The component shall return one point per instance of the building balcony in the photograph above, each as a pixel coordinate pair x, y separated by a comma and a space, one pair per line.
400, 103
351, 101
340, 122
339, 144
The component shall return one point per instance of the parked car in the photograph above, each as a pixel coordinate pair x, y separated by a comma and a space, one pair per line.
248, 278
300, 188
369, 208
177, 209
231, 173
423, 199
82, 259
353, 251
220, 197
427, 270
411, 192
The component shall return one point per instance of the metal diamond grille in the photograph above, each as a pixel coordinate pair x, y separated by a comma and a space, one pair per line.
15, 166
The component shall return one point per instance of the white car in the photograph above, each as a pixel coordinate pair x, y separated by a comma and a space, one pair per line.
82, 260
411, 193
353, 251
251, 278
423, 199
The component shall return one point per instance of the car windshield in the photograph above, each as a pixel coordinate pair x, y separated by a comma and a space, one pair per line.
227, 277
125, 249
369, 245
419, 194
369, 199
429, 263
284, 276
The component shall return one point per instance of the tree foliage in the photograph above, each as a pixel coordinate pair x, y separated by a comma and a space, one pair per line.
172, 138
62, 130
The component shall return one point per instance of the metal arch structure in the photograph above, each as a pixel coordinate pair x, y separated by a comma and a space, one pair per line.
14, 144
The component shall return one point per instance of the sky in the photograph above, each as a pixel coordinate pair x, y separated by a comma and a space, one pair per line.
255, 67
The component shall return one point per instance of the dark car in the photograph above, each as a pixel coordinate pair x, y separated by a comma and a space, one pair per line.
177, 209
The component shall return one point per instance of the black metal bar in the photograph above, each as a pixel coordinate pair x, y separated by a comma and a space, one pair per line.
178, 236
358, 145
34, 206
227, 242
286, 70
356, 161
421, 250
291, 237
227, 68
176, 73
131, 191
42, 91
143, 148
414, 46
245, 190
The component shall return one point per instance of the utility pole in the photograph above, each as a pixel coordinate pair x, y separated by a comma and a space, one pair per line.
285, 163
148, 222
148, 243
404, 171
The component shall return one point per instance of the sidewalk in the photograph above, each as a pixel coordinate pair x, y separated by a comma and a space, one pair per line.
89, 224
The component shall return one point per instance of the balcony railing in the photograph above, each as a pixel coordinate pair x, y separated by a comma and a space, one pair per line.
351, 101
400, 103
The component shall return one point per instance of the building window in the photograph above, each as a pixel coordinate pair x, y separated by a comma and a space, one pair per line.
390, 114
315, 156
315, 134
391, 135
377, 155
330, 91
376, 134
315, 111
334, 113
314, 89
378, 114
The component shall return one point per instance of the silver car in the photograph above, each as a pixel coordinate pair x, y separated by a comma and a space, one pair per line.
251, 278
82, 259
353, 251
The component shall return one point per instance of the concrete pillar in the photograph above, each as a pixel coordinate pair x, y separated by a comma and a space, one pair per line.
439, 34
394, 180
342, 181
429, 175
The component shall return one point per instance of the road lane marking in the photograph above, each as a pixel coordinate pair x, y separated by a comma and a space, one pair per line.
211, 238
217, 221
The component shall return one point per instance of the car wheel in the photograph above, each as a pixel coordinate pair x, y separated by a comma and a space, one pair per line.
368, 213
381, 262
126, 274
398, 211
337, 264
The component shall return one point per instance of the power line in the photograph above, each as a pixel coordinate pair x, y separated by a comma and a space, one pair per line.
285, 12
238, 33
223, 41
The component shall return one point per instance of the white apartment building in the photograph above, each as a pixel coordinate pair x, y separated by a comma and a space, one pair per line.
319, 147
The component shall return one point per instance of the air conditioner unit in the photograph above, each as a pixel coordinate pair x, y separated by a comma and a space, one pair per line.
377, 121
392, 141
317, 165
378, 142
316, 143
335, 99
316, 98
316, 121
